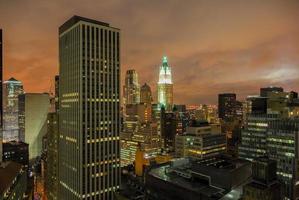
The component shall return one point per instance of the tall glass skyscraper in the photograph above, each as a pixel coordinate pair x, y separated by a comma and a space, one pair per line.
165, 86
12, 88
89, 109
131, 88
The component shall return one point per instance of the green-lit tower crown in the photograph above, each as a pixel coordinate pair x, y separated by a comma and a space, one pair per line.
165, 86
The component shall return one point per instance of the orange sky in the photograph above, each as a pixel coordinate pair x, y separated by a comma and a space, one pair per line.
213, 46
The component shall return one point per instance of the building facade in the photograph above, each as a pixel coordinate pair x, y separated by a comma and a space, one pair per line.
17, 152
131, 88
165, 86
89, 109
51, 166
146, 94
33, 112
227, 106
12, 88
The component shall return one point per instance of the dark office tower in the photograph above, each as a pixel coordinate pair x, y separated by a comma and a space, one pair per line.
17, 152
168, 129
57, 93
264, 91
51, 167
1, 103
89, 110
227, 106
146, 94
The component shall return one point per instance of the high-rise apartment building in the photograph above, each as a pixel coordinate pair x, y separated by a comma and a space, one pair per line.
12, 88
89, 109
33, 112
165, 86
227, 106
131, 88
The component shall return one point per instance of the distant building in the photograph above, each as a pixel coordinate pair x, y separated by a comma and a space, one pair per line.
168, 129
51, 164
146, 94
264, 91
201, 140
131, 88
17, 152
33, 112
205, 179
13, 181
165, 86
227, 106
12, 88
264, 184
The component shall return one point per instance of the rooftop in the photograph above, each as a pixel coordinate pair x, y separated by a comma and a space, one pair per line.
8, 172
75, 19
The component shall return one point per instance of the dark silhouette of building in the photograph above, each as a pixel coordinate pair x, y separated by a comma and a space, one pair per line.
168, 129
17, 152
13, 181
264, 184
227, 106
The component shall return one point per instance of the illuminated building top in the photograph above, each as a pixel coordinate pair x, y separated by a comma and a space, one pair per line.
165, 72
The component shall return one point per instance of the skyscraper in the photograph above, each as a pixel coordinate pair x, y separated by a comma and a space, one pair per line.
165, 86
33, 112
146, 94
1, 103
131, 88
227, 106
12, 88
89, 109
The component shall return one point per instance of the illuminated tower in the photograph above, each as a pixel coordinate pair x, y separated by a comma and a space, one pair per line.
89, 110
131, 88
165, 86
12, 88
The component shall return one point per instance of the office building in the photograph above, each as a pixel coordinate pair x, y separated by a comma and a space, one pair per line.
227, 106
33, 112
201, 140
17, 152
1, 95
218, 177
131, 88
89, 109
51, 164
146, 94
168, 128
13, 182
12, 88
254, 136
264, 184
282, 146
165, 86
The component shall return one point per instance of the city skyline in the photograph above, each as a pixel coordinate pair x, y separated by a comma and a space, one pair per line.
220, 51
